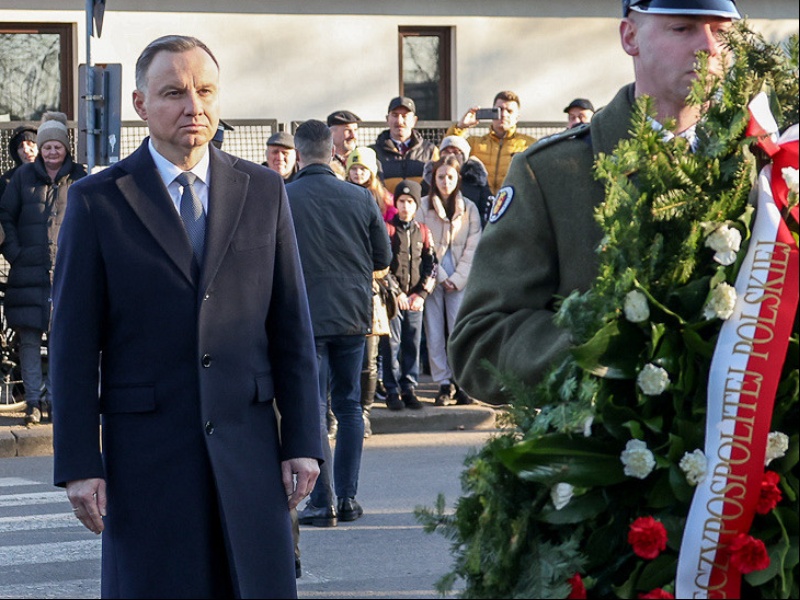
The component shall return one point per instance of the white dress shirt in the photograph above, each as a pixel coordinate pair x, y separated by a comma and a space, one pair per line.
169, 172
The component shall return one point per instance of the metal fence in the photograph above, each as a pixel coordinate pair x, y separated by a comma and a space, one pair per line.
249, 137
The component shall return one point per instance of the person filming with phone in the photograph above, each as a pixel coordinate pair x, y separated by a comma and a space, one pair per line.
503, 141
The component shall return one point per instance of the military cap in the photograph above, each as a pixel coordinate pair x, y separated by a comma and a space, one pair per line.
713, 8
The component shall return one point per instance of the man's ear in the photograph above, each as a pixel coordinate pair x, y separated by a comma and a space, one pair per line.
628, 37
138, 104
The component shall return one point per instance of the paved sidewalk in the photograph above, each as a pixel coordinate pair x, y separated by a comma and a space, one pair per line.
17, 439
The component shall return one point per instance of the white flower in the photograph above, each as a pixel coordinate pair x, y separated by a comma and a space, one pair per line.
777, 445
587, 426
790, 176
636, 308
652, 380
638, 460
561, 494
721, 303
725, 241
694, 465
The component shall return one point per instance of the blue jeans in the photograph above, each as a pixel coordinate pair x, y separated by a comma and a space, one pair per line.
401, 362
340, 358
36, 384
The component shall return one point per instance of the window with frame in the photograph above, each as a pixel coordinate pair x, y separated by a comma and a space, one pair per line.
36, 69
425, 70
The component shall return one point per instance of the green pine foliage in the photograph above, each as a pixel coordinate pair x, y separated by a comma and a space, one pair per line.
507, 538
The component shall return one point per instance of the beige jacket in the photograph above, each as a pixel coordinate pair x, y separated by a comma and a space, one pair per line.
461, 235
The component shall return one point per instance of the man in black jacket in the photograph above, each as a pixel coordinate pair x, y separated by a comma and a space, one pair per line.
401, 149
342, 240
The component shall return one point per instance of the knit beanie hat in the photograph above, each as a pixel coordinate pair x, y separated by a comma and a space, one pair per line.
53, 128
23, 133
408, 187
457, 141
365, 157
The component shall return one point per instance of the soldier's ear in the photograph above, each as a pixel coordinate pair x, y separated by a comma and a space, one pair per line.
629, 36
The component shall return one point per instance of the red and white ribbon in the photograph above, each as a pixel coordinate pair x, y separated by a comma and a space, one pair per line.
743, 379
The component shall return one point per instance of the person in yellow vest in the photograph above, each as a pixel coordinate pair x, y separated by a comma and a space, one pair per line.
503, 141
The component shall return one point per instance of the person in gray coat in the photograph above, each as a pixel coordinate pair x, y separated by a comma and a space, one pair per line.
342, 239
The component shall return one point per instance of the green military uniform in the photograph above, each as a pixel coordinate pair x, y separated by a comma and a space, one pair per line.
538, 246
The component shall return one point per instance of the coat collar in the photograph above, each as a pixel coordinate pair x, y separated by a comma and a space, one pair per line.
143, 189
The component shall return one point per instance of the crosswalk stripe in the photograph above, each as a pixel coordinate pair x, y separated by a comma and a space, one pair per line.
17, 481
58, 552
37, 522
7, 500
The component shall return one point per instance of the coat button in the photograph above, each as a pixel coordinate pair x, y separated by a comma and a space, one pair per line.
206, 361
209, 427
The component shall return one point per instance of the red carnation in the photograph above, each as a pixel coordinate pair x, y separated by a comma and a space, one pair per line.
770, 493
578, 589
748, 554
656, 593
648, 537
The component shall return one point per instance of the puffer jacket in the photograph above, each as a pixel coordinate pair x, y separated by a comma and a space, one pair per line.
31, 211
394, 166
495, 152
413, 261
461, 235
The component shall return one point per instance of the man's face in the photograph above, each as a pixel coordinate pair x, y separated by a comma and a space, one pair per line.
577, 115
344, 138
665, 50
509, 115
401, 122
281, 159
180, 102
27, 151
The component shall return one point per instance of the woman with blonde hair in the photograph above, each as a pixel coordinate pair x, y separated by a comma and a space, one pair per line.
455, 225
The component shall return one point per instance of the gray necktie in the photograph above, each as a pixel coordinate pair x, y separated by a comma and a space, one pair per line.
194, 219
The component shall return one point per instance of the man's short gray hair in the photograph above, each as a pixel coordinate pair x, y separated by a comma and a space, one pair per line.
167, 43
314, 142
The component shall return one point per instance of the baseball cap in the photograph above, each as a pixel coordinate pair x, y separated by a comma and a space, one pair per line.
408, 187
342, 117
282, 138
581, 103
713, 8
403, 101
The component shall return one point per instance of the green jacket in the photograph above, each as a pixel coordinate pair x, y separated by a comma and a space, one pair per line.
537, 248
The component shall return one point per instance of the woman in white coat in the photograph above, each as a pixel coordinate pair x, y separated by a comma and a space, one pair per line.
455, 225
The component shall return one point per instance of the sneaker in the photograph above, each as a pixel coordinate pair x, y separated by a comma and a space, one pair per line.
393, 401
411, 401
349, 509
444, 395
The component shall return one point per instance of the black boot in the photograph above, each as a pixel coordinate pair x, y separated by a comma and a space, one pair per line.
369, 380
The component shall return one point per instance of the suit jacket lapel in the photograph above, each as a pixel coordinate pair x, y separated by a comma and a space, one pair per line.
145, 193
225, 204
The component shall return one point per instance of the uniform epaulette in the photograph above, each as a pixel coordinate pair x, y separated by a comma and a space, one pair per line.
578, 131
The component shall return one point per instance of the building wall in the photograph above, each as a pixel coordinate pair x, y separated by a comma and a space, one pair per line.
297, 60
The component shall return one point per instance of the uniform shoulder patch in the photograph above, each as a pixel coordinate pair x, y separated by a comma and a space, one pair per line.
501, 203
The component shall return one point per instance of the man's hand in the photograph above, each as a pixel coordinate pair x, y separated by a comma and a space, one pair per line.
402, 301
299, 477
469, 119
88, 499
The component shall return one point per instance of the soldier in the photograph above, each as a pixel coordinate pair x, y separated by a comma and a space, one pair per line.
541, 238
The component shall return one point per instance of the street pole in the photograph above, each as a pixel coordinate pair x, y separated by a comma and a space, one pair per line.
90, 133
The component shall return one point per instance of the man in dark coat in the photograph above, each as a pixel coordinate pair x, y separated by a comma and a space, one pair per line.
343, 240
401, 149
200, 327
